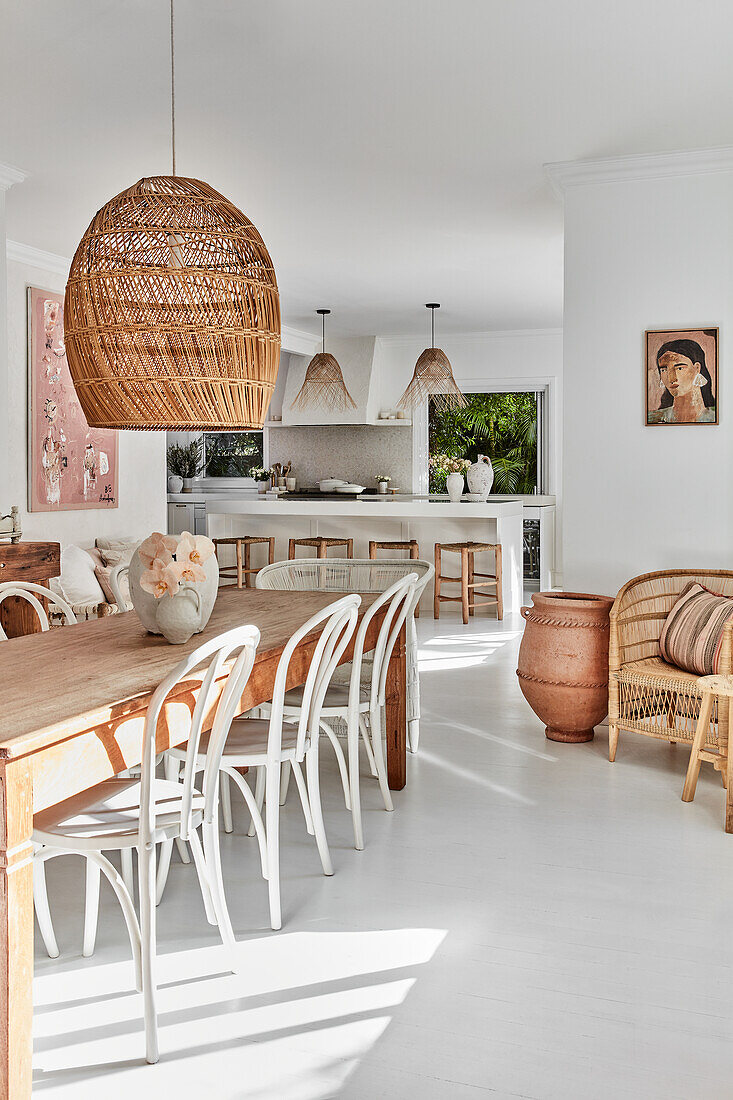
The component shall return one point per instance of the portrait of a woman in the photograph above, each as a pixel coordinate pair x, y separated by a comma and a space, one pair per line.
682, 377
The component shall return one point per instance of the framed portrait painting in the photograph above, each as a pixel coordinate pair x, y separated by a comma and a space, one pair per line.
70, 465
682, 376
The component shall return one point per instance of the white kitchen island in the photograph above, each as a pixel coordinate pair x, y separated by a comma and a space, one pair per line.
428, 521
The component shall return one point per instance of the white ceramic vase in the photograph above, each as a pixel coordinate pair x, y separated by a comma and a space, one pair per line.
146, 605
454, 487
480, 477
175, 483
188, 484
382, 487
179, 617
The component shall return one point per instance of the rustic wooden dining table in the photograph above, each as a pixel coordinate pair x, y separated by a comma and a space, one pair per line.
72, 710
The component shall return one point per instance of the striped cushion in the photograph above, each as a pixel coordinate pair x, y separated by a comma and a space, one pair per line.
692, 634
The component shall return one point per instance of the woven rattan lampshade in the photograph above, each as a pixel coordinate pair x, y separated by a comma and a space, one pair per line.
324, 384
432, 377
172, 312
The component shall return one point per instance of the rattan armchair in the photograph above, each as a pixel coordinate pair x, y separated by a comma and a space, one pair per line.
645, 694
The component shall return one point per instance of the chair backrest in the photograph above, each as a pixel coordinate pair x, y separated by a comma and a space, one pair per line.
338, 622
205, 665
116, 576
399, 601
344, 574
35, 594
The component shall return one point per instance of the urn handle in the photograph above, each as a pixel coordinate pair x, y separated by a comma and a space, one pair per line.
524, 611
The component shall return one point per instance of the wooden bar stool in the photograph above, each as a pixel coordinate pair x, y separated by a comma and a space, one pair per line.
410, 544
720, 689
467, 580
321, 544
242, 571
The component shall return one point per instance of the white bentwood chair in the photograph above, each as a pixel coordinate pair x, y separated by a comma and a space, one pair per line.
126, 813
361, 709
360, 575
39, 599
269, 743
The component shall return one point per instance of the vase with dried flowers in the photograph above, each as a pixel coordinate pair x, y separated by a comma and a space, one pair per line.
454, 470
173, 584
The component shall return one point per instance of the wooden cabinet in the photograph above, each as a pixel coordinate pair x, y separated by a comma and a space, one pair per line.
25, 561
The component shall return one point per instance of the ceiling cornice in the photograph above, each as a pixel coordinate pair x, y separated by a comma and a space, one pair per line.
10, 175
297, 342
642, 166
35, 257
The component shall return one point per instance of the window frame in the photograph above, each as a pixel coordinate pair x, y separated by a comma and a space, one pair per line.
547, 389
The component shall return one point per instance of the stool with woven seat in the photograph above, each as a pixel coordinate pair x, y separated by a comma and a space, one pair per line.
467, 580
715, 689
322, 546
387, 544
241, 572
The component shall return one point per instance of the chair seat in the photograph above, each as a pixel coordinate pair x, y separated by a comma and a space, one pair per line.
336, 699
247, 737
654, 669
110, 813
342, 674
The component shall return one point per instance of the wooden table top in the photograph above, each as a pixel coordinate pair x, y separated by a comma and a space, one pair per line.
78, 677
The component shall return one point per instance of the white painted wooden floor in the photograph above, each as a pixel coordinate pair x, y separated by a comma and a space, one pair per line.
531, 921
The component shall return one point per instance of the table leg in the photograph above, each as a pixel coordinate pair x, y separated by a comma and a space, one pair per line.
396, 714
16, 929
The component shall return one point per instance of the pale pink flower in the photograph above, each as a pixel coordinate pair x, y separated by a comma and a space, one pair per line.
188, 571
194, 548
161, 579
158, 546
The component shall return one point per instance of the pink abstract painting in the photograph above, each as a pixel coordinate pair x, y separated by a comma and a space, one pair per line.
70, 465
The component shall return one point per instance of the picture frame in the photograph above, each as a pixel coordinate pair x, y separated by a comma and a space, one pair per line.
70, 465
682, 376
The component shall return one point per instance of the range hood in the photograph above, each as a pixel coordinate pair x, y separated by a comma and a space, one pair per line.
358, 359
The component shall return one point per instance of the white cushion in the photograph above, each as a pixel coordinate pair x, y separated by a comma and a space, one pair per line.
78, 583
116, 551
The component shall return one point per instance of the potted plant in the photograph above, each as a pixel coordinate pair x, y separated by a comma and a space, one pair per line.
186, 462
454, 470
261, 478
382, 482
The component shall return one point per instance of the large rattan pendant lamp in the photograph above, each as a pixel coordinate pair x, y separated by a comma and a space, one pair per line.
324, 384
432, 377
172, 312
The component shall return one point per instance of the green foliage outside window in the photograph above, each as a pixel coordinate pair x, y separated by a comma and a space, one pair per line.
500, 425
232, 454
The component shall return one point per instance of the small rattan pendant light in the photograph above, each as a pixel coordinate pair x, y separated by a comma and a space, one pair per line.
433, 376
172, 311
324, 384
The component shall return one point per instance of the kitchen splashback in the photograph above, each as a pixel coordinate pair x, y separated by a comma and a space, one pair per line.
353, 452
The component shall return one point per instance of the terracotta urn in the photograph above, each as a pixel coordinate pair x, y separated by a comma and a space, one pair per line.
563, 662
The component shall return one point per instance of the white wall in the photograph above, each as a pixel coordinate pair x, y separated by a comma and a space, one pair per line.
643, 254
142, 472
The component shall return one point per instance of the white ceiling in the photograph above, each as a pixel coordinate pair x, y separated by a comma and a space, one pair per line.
389, 151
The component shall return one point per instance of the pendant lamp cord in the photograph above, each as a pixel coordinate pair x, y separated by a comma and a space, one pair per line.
173, 98
323, 332
432, 317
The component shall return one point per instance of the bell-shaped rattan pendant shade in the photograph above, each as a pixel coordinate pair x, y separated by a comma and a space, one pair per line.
432, 377
172, 312
324, 386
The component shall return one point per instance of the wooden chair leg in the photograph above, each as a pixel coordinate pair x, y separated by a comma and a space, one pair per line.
728, 769
372, 549
239, 563
270, 551
464, 584
613, 732
247, 565
436, 589
701, 730
471, 593
291, 549
322, 549
349, 548
499, 593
